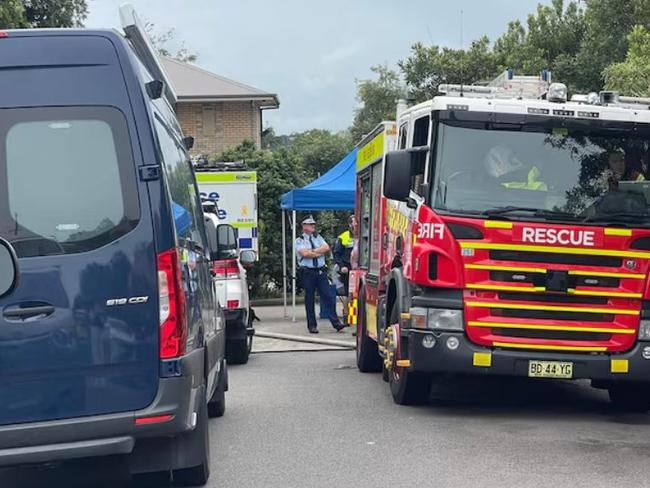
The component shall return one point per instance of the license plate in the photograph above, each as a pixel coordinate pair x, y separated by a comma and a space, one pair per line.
550, 369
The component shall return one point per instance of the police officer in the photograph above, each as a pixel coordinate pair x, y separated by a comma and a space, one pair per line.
342, 253
311, 249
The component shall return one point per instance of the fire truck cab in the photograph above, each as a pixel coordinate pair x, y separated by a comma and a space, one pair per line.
505, 230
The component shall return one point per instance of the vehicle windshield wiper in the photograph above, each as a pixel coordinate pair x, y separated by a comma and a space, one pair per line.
536, 212
641, 219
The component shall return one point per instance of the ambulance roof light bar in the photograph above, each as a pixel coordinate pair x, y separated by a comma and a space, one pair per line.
136, 33
506, 85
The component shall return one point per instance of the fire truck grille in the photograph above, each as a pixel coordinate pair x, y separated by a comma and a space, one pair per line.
539, 279
554, 315
552, 258
550, 298
552, 334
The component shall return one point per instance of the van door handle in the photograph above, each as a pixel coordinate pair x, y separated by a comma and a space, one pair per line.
28, 312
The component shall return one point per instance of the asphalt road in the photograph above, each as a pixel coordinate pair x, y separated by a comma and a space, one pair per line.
309, 419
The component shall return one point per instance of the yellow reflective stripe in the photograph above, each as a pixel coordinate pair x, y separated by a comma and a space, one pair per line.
613, 231
492, 267
403, 363
608, 274
551, 308
567, 328
616, 294
530, 289
553, 249
537, 289
547, 347
497, 224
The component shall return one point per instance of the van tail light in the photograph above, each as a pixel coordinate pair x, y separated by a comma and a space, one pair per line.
226, 269
232, 304
173, 329
3, 34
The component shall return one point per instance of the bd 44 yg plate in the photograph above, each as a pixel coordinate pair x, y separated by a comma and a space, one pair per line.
550, 369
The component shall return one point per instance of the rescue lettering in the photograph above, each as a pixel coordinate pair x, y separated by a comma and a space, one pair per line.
566, 237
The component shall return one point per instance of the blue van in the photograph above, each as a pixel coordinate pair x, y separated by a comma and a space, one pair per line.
112, 342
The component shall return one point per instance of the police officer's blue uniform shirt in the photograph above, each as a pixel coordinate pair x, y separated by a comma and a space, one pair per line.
303, 242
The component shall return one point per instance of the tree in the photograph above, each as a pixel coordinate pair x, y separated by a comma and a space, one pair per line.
318, 150
377, 99
632, 76
55, 13
162, 40
551, 39
428, 67
15, 14
12, 14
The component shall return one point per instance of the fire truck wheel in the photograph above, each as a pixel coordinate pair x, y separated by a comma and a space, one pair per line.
368, 359
632, 397
407, 388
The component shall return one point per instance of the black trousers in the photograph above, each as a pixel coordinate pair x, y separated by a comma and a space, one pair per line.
312, 280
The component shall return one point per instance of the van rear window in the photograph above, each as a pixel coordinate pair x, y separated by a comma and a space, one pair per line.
68, 179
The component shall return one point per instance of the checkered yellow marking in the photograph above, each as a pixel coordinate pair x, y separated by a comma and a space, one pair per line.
352, 312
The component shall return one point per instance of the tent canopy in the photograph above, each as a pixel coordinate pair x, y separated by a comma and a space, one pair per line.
332, 191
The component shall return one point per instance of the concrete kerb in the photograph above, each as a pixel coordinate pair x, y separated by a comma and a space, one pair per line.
309, 340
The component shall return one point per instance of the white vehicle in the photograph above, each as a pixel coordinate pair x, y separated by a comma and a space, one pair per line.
234, 190
229, 278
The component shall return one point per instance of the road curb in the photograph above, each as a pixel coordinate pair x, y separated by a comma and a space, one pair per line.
309, 340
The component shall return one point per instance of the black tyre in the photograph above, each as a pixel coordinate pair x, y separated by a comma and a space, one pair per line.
406, 388
238, 350
197, 475
368, 359
632, 397
217, 404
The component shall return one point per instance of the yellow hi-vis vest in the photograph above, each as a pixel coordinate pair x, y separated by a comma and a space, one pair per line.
346, 239
533, 182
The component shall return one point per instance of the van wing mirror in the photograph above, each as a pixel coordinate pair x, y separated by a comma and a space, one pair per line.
8, 268
188, 142
247, 258
226, 241
397, 175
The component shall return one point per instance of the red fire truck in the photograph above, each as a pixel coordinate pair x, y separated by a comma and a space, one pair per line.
505, 230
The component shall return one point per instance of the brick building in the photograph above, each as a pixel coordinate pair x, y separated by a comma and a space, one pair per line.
219, 113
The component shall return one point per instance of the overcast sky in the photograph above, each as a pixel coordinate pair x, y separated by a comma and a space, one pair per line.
311, 52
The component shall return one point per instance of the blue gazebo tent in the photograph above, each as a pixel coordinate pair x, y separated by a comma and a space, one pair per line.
332, 191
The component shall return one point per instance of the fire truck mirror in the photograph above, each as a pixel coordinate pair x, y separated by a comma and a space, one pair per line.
397, 175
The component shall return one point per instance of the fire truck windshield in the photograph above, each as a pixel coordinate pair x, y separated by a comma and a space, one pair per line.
543, 171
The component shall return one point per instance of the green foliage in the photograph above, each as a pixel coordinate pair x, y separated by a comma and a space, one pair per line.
16, 14
12, 14
427, 67
632, 76
318, 150
377, 99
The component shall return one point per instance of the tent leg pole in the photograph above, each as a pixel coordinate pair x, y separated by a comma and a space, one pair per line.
284, 262
293, 255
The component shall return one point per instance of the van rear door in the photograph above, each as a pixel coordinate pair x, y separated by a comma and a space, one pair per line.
79, 335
